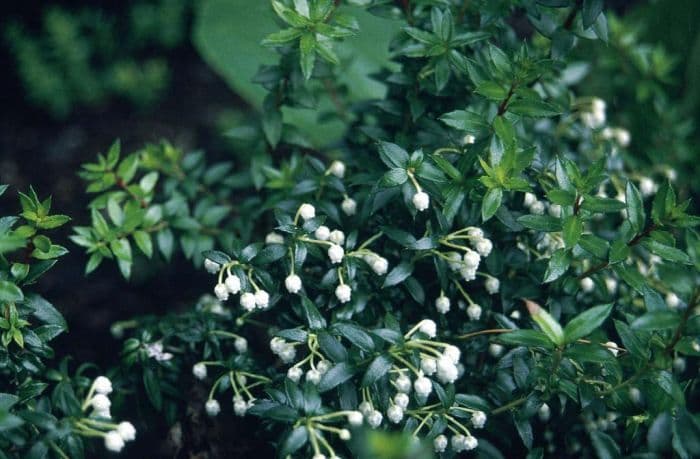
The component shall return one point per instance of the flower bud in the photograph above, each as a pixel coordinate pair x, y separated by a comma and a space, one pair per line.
401, 400
262, 299
322, 233
212, 267
423, 386
428, 327
474, 311
114, 441
241, 345
294, 373
199, 370
478, 419
221, 292
355, 418
233, 284
126, 431
421, 201
337, 168
248, 301
349, 206
336, 253
492, 285
212, 407
374, 419
343, 292
394, 414
442, 304
337, 237
274, 238
103, 385
100, 402
440, 444
307, 211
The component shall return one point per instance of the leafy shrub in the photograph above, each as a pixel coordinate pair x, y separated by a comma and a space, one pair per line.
473, 264
85, 58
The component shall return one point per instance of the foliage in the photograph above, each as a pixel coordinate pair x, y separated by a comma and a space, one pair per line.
40, 407
84, 58
473, 266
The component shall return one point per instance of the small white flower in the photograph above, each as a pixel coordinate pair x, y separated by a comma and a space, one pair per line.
484, 247
623, 137
421, 201
380, 265
126, 431
344, 435
336, 253
262, 299
343, 292
453, 353
468, 274
492, 285
555, 210
293, 283
212, 407
587, 284
394, 414
446, 370
403, 384
323, 366
537, 208
478, 419
470, 443
635, 395
428, 327
612, 347
103, 385
248, 301
212, 267
240, 407
471, 259
671, 174
365, 408
440, 444
611, 284
468, 139
337, 237
294, 373
598, 104
543, 412
529, 199
608, 133
241, 345
277, 344
374, 419
337, 168
233, 284
349, 206
100, 402
474, 311
442, 304
495, 349
355, 418
457, 442
274, 238
455, 261
423, 386
199, 370
647, 187
313, 376
113, 441
672, 300
307, 211
401, 400
287, 354
428, 365
679, 364
221, 292
322, 233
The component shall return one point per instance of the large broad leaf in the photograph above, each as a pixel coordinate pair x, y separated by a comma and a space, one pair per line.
227, 33
584, 323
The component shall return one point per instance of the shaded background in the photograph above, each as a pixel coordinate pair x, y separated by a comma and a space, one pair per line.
76, 75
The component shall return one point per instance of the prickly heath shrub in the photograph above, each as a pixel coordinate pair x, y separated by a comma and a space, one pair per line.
472, 265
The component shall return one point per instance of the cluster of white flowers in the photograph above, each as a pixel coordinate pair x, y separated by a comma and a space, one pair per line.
468, 263
284, 350
594, 116
232, 285
461, 443
537, 207
620, 135
115, 435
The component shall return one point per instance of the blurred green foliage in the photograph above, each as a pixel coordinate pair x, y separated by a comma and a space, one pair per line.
240, 25
87, 57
